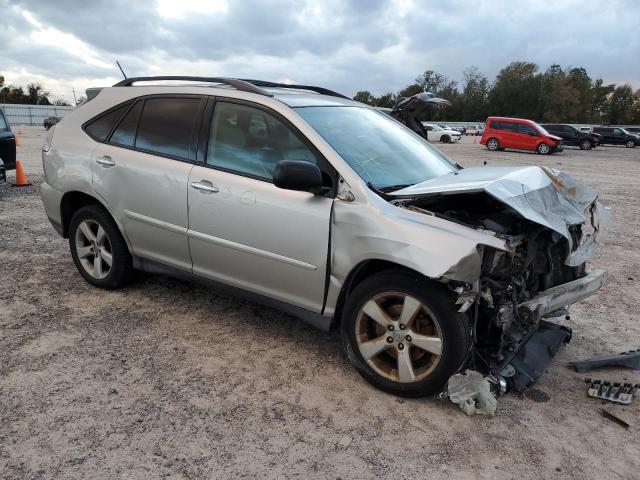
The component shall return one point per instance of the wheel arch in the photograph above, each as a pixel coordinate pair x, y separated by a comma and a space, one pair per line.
362, 271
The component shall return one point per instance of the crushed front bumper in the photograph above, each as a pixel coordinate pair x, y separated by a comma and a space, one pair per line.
536, 352
562, 295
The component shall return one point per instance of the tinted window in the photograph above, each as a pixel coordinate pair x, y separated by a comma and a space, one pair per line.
3, 123
600, 130
125, 133
525, 129
166, 125
100, 128
248, 140
617, 131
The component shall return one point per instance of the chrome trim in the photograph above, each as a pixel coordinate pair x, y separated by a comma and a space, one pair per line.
105, 161
155, 222
205, 186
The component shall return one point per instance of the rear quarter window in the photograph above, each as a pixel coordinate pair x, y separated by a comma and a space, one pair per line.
101, 127
3, 123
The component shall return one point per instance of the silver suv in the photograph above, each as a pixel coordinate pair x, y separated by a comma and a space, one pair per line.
301, 198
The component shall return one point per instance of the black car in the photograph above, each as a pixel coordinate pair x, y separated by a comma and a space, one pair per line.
50, 122
3, 173
571, 135
7, 144
633, 130
617, 136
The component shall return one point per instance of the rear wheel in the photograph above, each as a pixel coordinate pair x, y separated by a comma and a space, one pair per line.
585, 145
493, 144
630, 144
98, 249
403, 333
543, 149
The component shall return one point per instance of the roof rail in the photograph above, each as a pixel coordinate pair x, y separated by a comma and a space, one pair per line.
241, 85
320, 90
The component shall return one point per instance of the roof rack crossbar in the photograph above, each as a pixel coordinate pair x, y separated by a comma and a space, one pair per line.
320, 90
241, 85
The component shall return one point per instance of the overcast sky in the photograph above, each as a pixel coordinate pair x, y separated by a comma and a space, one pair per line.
377, 45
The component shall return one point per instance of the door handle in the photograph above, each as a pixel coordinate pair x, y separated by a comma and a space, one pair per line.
206, 186
105, 161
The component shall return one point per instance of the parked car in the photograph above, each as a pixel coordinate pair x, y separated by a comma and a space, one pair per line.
3, 173
519, 134
7, 143
300, 198
474, 130
633, 130
50, 122
616, 136
571, 135
436, 133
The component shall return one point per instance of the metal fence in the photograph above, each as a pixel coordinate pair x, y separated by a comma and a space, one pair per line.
17, 114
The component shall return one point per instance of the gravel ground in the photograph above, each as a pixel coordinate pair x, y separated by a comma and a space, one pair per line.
168, 379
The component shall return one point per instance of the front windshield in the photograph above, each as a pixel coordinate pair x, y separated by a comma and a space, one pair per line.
541, 129
379, 149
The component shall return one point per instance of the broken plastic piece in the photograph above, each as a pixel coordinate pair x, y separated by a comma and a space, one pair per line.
472, 392
614, 418
630, 359
616, 392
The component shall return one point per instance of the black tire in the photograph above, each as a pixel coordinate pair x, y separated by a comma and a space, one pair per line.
544, 149
493, 144
454, 327
585, 145
630, 144
121, 270
445, 139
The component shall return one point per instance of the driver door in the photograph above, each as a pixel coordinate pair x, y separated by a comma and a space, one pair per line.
243, 230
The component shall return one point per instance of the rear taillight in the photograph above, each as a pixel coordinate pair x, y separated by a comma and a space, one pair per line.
46, 146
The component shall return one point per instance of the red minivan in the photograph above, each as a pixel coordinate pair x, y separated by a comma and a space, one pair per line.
519, 133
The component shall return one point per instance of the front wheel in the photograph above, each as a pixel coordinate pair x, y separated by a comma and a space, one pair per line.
403, 333
543, 149
493, 144
98, 249
445, 139
630, 144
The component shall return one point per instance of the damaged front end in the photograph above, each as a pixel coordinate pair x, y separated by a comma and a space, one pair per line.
550, 224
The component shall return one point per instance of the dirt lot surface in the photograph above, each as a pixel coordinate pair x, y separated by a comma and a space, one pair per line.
168, 379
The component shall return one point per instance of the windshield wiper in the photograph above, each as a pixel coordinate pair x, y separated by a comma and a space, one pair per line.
393, 188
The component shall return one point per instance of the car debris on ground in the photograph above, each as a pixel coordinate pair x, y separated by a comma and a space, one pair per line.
630, 359
471, 391
616, 392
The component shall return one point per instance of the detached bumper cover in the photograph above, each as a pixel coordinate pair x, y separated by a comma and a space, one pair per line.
565, 294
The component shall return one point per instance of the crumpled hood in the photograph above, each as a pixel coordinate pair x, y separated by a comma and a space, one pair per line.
540, 194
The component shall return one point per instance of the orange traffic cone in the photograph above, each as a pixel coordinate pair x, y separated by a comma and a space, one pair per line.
17, 141
21, 178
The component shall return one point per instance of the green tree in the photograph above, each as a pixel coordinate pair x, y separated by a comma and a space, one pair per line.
516, 91
364, 96
475, 94
621, 105
600, 101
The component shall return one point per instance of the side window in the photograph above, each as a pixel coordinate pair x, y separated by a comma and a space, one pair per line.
100, 128
495, 125
166, 126
526, 129
250, 141
125, 133
617, 131
3, 123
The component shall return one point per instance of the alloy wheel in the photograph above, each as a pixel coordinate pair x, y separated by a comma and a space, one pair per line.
543, 148
492, 144
630, 144
94, 249
399, 337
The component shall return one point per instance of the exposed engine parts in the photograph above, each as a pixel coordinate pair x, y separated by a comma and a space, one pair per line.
616, 392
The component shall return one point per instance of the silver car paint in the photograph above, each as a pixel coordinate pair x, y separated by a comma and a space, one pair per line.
254, 235
363, 227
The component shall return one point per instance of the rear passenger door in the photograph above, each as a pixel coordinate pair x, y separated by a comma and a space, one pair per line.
527, 136
243, 230
141, 170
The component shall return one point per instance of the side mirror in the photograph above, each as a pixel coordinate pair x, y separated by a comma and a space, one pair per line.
297, 175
